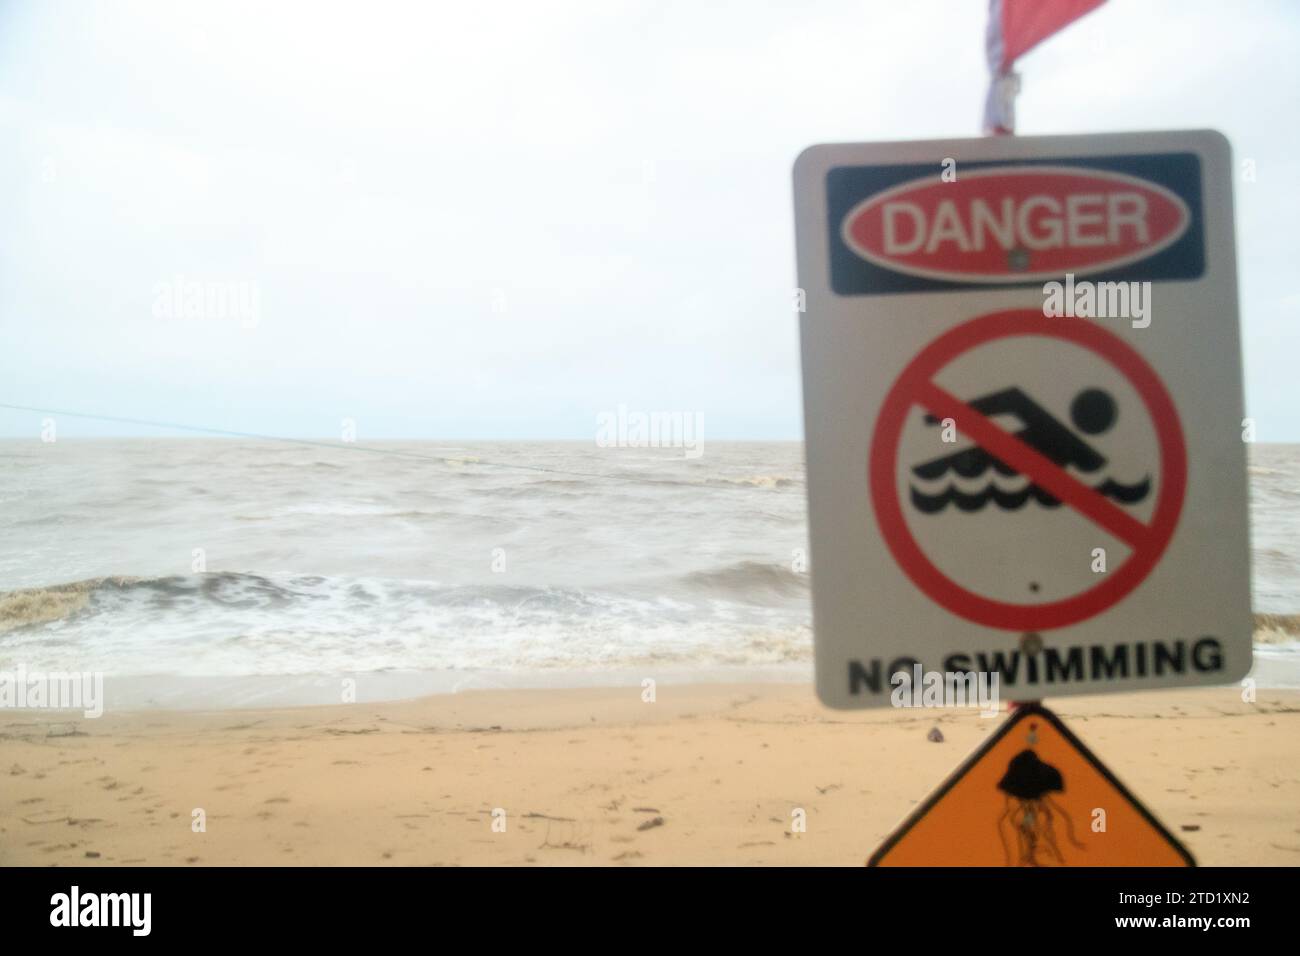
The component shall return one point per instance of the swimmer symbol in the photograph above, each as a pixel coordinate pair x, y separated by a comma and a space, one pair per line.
1092, 412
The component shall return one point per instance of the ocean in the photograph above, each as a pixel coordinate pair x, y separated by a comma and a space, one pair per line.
220, 571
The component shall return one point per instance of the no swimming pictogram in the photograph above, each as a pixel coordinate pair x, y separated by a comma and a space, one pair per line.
1040, 451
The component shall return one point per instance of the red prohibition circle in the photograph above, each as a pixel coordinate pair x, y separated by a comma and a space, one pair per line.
917, 379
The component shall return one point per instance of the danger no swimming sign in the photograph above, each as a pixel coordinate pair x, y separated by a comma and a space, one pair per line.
1023, 412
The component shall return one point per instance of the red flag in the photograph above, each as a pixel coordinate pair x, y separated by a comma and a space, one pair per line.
1015, 28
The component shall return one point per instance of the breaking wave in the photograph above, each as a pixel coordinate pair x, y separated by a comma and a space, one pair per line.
238, 623
747, 578
1277, 628
40, 605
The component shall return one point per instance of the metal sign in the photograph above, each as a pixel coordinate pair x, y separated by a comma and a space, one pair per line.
1033, 795
1024, 416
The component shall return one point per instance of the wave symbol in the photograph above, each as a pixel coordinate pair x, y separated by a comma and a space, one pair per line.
1011, 500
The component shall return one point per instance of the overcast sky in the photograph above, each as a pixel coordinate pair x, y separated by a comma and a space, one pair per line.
496, 220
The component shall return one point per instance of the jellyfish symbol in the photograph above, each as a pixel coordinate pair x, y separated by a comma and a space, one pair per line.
1031, 812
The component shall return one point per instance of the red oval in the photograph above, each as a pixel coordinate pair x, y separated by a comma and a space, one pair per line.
1017, 223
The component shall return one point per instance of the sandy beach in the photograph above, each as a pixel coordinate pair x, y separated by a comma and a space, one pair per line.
707, 774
